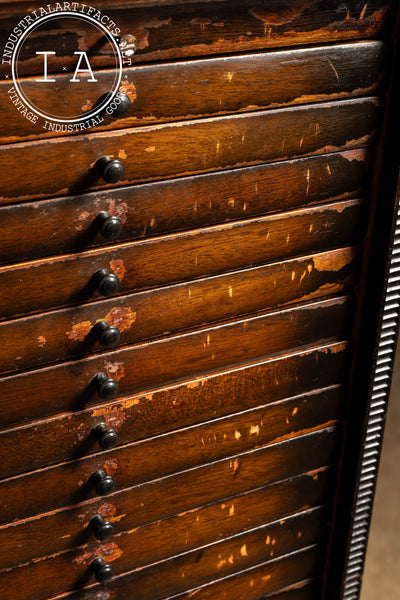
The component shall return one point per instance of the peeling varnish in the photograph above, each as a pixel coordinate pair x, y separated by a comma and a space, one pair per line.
150, 149
254, 430
118, 267
79, 331
42, 341
115, 370
243, 550
230, 290
110, 551
111, 467
122, 154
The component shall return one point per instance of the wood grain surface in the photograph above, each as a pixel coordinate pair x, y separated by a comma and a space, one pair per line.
32, 170
252, 584
176, 31
175, 494
69, 224
70, 386
35, 493
69, 280
183, 572
192, 89
249, 509
70, 436
65, 334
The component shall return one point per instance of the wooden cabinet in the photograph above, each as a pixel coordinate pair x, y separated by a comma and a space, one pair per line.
199, 296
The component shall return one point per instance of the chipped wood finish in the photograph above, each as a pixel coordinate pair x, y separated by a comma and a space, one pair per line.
235, 514
43, 339
222, 489
67, 224
69, 386
68, 280
257, 582
177, 574
36, 493
174, 407
182, 532
173, 32
176, 91
32, 170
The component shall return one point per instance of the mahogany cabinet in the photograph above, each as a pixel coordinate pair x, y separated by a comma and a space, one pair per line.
199, 296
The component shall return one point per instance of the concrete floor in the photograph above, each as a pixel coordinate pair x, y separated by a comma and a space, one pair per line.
382, 569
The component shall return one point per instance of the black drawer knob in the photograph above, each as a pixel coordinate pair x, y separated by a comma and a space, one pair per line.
117, 107
111, 169
107, 388
102, 571
103, 483
107, 283
102, 529
108, 438
110, 227
107, 334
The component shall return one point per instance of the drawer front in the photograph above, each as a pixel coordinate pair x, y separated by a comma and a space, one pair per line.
70, 436
176, 91
33, 171
251, 509
37, 493
70, 280
177, 31
230, 481
72, 386
72, 225
43, 339
161, 580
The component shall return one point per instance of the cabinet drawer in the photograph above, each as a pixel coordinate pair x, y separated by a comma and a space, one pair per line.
71, 436
70, 280
176, 91
229, 481
61, 335
251, 509
182, 30
72, 225
199, 566
62, 166
71, 386
64, 485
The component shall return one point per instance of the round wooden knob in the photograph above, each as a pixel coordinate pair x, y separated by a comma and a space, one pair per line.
103, 530
107, 388
111, 169
107, 283
103, 483
107, 334
102, 571
110, 227
108, 438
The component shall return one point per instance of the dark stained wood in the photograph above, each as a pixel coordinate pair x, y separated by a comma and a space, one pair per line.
43, 339
176, 91
304, 590
69, 386
67, 224
251, 584
172, 32
178, 573
68, 280
239, 513
32, 170
171, 496
70, 436
35, 493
